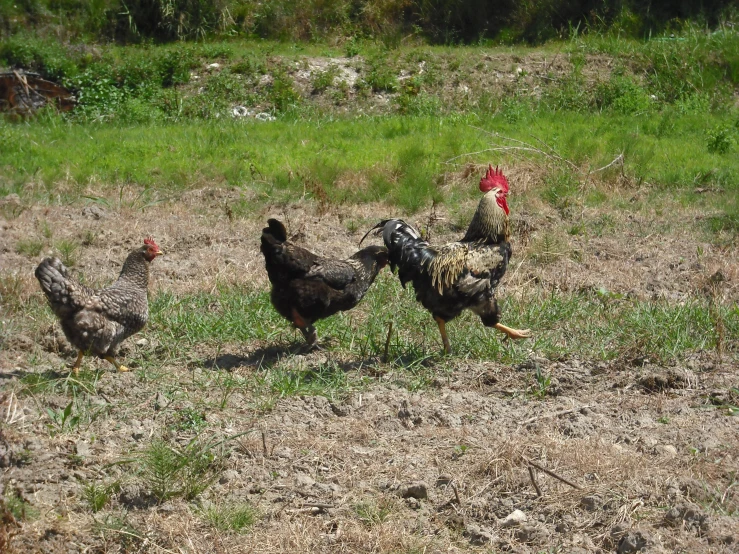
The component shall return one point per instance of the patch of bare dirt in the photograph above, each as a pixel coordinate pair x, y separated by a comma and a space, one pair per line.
642, 457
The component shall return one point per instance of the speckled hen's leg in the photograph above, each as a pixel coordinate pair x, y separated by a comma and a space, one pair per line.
78, 362
118, 366
442, 329
513, 333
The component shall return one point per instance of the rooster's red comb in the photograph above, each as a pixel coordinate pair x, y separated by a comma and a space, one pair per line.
494, 178
150, 241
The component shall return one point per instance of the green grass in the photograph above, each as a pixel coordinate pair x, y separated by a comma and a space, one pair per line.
591, 325
401, 157
230, 517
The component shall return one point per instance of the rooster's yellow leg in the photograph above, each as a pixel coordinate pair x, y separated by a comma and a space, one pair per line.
78, 362
513, 333
442, 329
118, 366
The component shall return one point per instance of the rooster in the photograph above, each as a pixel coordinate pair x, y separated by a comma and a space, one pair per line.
97, 321
307, 287
460, 275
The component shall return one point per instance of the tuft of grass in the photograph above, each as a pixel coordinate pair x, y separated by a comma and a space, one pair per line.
372, 514
19, 507
230, 517
68, 251
29, 247
98, 495
168, 471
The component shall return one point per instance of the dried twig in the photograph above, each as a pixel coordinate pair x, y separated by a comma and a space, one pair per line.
456, 494
532, 474
264, 443
552, 474
617, 159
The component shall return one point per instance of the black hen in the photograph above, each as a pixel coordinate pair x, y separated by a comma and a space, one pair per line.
307, 287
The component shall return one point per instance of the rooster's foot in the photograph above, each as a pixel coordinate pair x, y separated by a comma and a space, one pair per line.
77, 363
118, 366
444, 338
514, 333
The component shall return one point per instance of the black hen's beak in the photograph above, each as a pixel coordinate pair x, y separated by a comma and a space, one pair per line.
375, 228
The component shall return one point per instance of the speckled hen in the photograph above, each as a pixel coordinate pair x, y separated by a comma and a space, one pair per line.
307, 287
97, 321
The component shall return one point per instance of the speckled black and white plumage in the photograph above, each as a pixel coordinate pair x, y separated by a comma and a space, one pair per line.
460, 275
307, 287
97, 321
450, 278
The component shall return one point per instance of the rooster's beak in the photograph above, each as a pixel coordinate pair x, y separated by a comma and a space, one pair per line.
160, 253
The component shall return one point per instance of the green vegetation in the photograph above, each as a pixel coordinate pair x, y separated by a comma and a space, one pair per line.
441, 21
230, 517
589, 325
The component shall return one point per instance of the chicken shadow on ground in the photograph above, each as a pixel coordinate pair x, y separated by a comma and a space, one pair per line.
263, 358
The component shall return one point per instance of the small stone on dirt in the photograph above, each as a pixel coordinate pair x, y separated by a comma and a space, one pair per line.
631, 542
228, 475
515, 518
142, 342
341, 410
590, 503
82, 448
94, 212
477, 535
443, 480
690, 515
304, 480
417, 490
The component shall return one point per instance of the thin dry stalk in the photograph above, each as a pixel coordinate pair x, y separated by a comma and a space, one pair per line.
552, 474
532, 475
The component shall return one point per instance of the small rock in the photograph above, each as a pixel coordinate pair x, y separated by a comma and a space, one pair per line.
515, 518
94, 212
668, 450
413, 503
477, 535
304, 480
443, 480
142, 342
631, 542
228, 475
590, 503
214, 65
531, 533
341, 410
417, 490
82, 448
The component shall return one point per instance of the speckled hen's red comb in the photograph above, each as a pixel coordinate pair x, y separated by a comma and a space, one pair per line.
150, 241
494, 178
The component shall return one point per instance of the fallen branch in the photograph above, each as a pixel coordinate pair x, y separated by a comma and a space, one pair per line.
552, 474
456, 494
532, 474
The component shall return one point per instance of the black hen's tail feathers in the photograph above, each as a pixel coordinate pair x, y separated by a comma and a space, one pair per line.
277, 229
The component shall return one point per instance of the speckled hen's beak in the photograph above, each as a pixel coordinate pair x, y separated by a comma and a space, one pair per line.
160, 252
